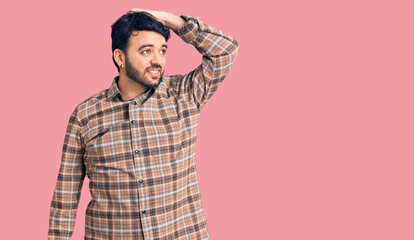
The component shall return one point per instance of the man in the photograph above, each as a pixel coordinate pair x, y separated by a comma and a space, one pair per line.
136, 140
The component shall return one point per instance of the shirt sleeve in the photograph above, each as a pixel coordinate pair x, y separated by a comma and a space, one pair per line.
219, 51
69, 184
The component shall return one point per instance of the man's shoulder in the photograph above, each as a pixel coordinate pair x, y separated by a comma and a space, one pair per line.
171, 81
168, 84
82, 108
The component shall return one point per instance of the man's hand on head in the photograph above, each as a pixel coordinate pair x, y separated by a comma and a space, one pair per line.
169, 20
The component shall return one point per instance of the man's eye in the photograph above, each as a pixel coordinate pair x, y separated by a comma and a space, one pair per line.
163, 51
145, 52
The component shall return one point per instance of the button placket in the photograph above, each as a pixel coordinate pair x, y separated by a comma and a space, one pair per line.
133, 114
133, 111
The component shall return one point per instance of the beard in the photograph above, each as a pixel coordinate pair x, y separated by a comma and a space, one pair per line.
139, 77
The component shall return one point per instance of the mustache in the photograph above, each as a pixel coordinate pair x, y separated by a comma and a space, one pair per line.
154, 66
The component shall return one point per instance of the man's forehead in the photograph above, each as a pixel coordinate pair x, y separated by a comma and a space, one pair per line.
138, 39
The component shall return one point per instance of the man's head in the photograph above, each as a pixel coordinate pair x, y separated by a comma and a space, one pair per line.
138, 47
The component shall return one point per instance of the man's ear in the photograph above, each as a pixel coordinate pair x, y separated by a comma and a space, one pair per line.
119, 57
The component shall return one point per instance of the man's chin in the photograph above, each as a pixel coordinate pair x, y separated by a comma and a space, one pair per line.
152, 83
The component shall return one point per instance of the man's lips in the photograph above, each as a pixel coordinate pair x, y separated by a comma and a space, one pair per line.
154, 72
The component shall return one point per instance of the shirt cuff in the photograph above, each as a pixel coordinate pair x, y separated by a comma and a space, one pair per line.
190, 30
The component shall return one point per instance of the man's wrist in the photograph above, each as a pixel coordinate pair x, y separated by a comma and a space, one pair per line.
190, 31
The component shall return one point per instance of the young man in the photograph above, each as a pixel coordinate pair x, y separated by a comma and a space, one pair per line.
136, 140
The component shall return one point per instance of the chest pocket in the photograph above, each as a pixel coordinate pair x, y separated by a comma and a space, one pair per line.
109, 147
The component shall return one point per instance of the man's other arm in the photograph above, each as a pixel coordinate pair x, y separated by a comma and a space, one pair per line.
69, 184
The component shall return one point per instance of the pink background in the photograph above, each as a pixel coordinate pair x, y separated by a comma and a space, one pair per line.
309, 137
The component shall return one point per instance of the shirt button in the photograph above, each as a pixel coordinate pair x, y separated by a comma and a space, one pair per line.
136, 151
143, 211
135, 103
133, 121
141, 181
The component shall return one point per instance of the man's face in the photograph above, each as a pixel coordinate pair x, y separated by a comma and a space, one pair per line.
145, 58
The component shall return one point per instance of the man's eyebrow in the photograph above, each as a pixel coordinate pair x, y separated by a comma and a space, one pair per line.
146, 45
150, 45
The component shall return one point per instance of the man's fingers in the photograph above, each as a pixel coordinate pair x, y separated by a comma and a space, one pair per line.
143, 10
137, 10
158, 15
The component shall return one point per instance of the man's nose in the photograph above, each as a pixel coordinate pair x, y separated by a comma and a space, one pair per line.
155, 59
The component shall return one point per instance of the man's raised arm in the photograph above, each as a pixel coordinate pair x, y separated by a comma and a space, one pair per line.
219, 51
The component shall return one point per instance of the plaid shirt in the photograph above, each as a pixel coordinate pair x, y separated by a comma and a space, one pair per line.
139, 154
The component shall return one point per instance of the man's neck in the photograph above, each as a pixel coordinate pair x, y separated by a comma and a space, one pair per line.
129, 88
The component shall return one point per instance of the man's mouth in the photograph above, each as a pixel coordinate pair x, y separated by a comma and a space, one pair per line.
154, 72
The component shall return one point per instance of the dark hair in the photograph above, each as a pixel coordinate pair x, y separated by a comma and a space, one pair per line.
134, 21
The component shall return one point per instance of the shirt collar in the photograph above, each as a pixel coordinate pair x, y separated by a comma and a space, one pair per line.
114, 90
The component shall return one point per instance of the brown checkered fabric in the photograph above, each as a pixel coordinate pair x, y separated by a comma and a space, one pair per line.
139, 154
